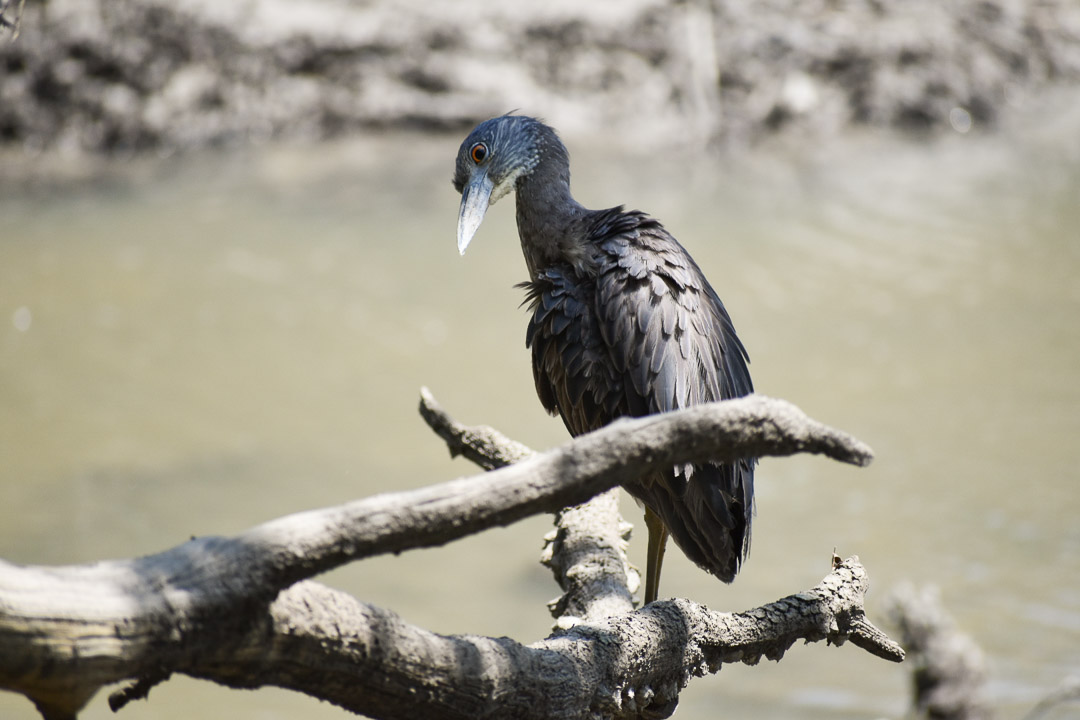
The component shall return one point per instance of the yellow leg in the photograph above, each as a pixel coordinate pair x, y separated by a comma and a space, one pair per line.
655, 558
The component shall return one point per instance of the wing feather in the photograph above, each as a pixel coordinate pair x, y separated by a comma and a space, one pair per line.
641, 331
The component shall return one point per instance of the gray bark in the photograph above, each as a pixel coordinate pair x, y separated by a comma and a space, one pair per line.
949, 673
240, 610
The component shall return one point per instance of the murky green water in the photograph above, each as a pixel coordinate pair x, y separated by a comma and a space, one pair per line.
194, 346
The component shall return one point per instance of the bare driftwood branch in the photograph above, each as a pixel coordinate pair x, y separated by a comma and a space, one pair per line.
369, 660
234, 610
1068, 691
587, 549
587, 553
950, 670
482, 445
12, 24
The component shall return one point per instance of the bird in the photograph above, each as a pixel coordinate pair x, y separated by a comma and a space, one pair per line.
624, 324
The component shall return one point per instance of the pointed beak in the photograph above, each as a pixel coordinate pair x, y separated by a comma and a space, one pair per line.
474, 203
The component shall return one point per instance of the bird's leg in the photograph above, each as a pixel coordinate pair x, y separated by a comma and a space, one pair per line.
655, 559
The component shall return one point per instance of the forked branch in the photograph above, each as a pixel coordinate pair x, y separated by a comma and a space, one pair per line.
239, 610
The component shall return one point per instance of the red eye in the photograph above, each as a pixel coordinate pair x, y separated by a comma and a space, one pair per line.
478, 152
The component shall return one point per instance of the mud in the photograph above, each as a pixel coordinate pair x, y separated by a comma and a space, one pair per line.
120, 76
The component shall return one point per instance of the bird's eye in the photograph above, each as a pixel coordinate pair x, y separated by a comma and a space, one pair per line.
478, 152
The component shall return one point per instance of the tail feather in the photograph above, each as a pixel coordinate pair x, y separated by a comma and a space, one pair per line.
708, 513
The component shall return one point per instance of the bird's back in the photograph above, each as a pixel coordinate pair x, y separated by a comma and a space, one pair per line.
634, 329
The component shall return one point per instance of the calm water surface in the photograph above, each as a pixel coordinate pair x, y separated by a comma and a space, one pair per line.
192, 346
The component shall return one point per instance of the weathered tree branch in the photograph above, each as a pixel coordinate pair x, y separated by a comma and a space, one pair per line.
13, 25
631, 665
485, 446
950, 670
211, 607
1068, 691
587, 549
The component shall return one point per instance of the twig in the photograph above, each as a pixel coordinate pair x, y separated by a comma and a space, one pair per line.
485, 446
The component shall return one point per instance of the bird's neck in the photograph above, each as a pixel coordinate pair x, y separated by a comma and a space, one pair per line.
548, 217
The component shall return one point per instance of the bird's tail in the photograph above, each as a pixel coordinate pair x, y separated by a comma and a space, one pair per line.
707, 511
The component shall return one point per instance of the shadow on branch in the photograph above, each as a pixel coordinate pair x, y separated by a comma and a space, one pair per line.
241, 610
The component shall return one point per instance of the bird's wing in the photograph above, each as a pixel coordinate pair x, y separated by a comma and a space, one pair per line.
673, 344
668, 333
641, 334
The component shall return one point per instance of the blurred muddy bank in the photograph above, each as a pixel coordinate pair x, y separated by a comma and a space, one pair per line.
130, 75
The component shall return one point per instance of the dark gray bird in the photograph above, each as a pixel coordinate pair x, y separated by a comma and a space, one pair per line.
624, 324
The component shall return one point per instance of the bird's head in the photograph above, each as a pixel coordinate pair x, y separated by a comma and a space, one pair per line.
493, 157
